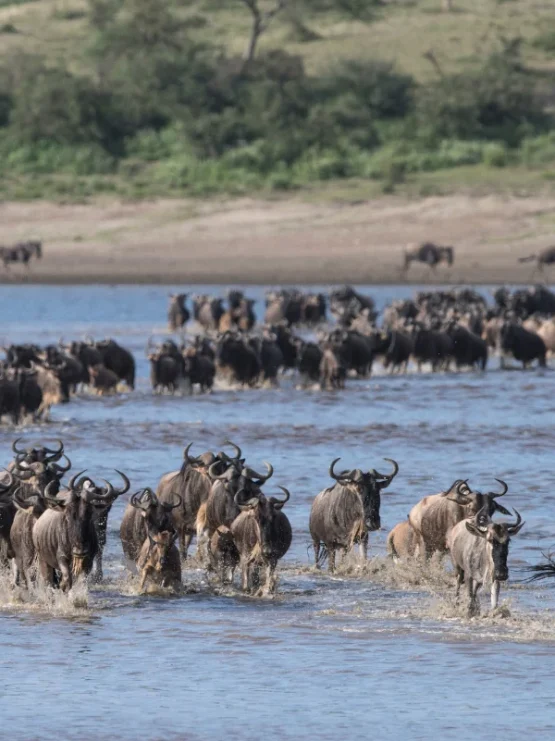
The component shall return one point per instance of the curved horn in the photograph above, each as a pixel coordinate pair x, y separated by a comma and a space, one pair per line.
60, 470
251, 474
190, 460
143, 499
126, 484
505, 486
279, 504
334, 475
236, 448
214, 475
55, 454
390, 476
48, 492
73, 479
515, 527
110, 492
169, 506
239, 500
15, 449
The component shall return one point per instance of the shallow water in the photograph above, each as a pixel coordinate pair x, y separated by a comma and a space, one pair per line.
377, 651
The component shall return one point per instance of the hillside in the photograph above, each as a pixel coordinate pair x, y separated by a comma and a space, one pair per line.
138, 99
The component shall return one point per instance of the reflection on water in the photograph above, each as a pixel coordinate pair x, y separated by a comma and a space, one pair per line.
376, 650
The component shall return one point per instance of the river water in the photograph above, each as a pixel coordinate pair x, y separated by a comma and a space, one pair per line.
377, 651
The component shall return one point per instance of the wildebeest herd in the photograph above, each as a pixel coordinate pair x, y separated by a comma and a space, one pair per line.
443, 329
54, 533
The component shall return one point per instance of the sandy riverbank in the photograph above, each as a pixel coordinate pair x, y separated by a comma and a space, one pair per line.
277, 242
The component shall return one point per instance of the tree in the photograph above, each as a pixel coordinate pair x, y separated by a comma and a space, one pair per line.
261, 19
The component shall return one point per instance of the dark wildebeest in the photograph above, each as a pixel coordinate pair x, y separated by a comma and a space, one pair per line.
432, 347
103, 380
433, 517
283, 306
347, 512
286, 343
523, 345
223, 554
208, 311
479, 550
118, 360
428, 253
221, 507
354, 351
263, 535
159, 563
270, 357
395, 347
107, 494
21, 535
166, 366
238, 359
178, 313
87, 354
402, 541
7, 514
144, 515
198, 369
65, 536
308, 362
468, 349
542, 258
10, 400
192, 483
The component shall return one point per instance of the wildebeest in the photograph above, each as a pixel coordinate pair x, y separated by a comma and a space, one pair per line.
479, 550
198, 369
523, 345
119, 360
103, 380
178, 313
21, 252
433, 516
144, 515
208, 311
166, 367
432, 347
237, 359
542, 258
332, 371
468, 349
10, 399
347, 512
263, 535
308, 362
29, 510
159, 564
428, 253
192, 483
223, 554
395, 347
65, 536
402, 541
7, 514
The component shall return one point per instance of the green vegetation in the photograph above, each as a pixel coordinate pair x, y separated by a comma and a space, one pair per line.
199, 97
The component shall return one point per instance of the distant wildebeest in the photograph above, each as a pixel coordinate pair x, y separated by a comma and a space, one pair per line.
433, 516
332, 372
309, 360
208, 311
104, 381
223, 554
479, 550
468, 349
347, 512
198, 369
402, 541
118, 359
159, 564
432, 347
263, 535
178, 313
238, 359
542, 258
167, 367
144, 516
65, 536
523, 345
428, 253
395, 348
21, 252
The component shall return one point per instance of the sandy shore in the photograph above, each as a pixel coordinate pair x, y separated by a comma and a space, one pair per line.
277, 242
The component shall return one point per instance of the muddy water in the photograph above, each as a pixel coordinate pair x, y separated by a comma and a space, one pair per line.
377, 651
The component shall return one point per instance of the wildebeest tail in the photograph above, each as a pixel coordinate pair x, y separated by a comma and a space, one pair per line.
527, 259
543, 570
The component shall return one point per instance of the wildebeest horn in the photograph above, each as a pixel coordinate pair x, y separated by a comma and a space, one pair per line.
22, 503
336, 476
50, 496
73, 479
109, 493
55, 454
60, 470
6, 487
515, 527
170, 506
239, 500
143, 499
390, 476
251, 474
236, 448
126, 484
15, 448
212, 472
190, 460
279, 504
494, 495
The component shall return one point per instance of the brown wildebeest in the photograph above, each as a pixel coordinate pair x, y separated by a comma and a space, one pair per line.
159, 563
479, 550
434, 516
104, 381
178, 313
402, 541
347, 512
263, 535
428, 253
223, 554
144, 515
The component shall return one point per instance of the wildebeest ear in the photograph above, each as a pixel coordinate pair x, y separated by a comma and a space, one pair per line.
500, 508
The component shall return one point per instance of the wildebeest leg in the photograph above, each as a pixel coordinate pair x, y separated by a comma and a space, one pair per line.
98, 574
144, 577
331, 559
460, 580
495, 587
364, 546
316, 546
66, 580
47, 573
244, 576
185, 538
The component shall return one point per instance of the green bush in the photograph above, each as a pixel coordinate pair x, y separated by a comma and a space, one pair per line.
495, 154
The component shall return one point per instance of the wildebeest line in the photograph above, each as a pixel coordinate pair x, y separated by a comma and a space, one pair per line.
444, 329
56, 534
